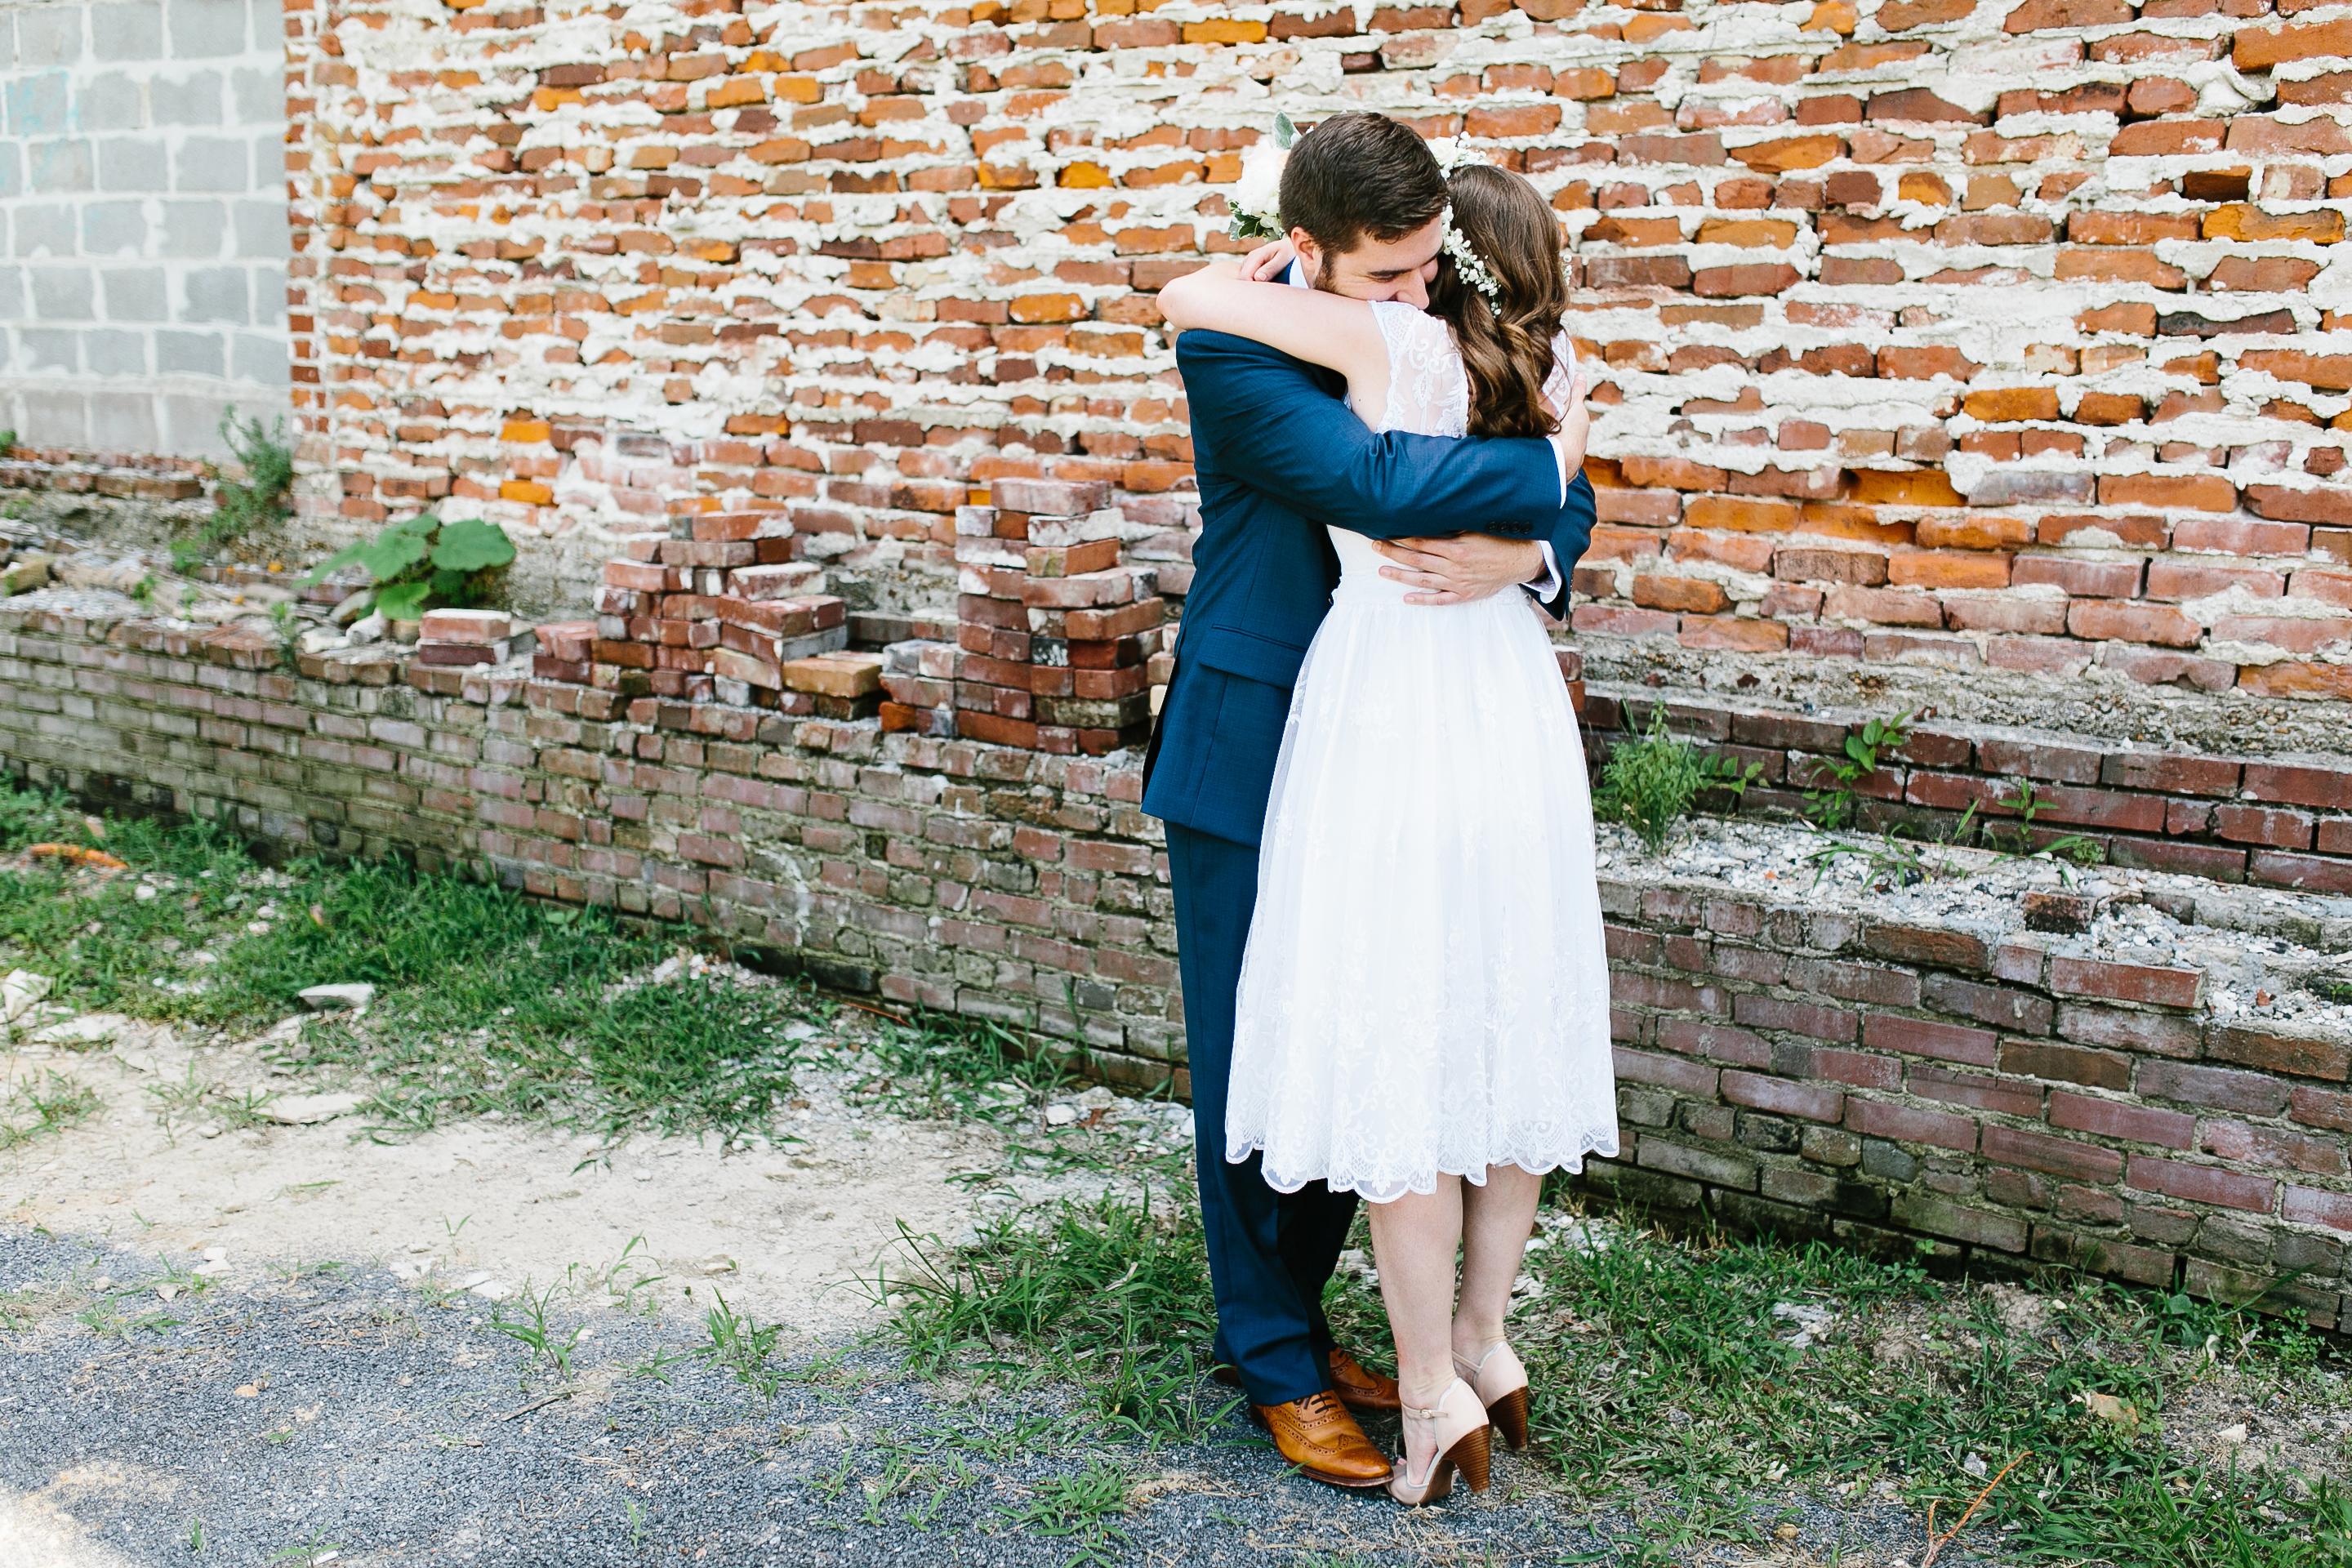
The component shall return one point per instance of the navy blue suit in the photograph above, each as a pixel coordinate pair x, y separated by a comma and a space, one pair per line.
1279, 456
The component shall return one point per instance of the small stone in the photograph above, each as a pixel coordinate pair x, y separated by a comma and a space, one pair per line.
19, 992
302, 1109
1975, 1465
208, 1130
1061, 1115
718, 1264
353, 998
247, 1391
167, 1291
641, 1175
90, 1029
2233, 1436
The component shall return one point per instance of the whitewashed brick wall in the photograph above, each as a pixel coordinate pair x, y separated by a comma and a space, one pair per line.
143, 220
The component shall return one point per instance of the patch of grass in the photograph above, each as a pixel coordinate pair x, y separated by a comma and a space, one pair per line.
36, 1107
1113, 1293
1702, 1382
1083, 1506
939, 1065
1662, 1366
487, 1000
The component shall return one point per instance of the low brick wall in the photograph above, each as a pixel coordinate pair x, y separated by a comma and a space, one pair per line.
1823, 1075
2280, 821
2006, 1099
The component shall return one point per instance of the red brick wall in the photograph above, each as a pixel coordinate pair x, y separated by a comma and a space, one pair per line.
1993, 336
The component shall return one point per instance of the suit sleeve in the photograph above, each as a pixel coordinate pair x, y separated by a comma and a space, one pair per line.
1273, 429
1569, 531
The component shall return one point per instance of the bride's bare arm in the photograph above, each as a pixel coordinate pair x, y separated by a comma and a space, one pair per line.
1305, 323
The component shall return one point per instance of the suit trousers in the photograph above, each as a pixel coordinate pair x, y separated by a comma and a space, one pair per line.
1270, 1252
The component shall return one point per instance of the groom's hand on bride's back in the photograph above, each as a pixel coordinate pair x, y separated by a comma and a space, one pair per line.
1458, 570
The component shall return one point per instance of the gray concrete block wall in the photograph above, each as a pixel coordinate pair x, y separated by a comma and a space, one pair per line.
143, 220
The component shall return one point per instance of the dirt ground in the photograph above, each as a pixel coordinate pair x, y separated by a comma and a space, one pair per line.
793, 1232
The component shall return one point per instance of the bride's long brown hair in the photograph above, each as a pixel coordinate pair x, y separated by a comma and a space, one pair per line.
1506, 345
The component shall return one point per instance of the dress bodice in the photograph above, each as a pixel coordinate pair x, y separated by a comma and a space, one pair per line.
1428, 395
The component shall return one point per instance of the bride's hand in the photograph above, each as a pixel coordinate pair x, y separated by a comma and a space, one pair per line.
1268, 262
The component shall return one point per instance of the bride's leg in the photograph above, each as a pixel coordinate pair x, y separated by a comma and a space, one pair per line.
1496, 1220
1414, 1240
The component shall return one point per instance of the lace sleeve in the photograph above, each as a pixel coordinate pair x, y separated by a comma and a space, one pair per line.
1428, 393
1560, 384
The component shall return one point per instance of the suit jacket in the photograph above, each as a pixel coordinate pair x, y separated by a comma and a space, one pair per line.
1280, 456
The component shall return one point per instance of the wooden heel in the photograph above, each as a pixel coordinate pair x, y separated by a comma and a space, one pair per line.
1511, 1413
1470, 1455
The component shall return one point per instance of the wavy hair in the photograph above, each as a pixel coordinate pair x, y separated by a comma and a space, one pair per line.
1507, 343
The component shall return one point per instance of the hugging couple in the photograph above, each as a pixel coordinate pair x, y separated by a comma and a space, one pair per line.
1374, 793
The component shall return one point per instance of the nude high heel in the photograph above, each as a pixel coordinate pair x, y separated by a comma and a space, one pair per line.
1501, 1385
1461, 1442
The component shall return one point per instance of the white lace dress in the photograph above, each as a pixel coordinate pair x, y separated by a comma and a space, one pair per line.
1425, 988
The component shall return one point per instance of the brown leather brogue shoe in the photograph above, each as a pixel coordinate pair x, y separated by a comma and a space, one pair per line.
1318, 1435
1360, 1388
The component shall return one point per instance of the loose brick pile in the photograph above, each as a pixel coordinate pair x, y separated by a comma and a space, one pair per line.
720, 612
1792, 1063
125, 476
1055, 636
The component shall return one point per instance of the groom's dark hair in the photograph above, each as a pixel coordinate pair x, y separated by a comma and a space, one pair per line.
1357, 174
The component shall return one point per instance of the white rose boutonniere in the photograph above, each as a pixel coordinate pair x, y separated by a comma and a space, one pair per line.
1257, 199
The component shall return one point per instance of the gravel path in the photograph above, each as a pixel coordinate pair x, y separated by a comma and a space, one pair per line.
345, 1413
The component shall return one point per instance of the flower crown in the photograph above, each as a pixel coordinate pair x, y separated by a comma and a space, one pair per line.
1451, 155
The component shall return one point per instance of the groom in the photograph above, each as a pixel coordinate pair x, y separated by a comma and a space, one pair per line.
1278, 456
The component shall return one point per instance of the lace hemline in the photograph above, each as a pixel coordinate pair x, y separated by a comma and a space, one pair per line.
1604, 1145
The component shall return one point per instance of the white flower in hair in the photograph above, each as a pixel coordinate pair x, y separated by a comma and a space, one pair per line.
1466, 261
1452, 153
1257, 199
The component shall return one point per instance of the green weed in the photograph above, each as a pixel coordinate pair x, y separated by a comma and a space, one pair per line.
240, 506
36, 1107
740, 1345
1083, 1506
529, 1329
1649, 784
308, 1552
1835, 807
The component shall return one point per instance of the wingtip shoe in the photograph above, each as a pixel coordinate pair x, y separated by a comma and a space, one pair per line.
1316, 1435
1360, 1388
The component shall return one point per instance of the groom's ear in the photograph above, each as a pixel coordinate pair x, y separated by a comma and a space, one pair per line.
1310, 255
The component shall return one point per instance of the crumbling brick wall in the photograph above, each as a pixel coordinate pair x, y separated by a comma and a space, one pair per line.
1791, 1062
2000, 335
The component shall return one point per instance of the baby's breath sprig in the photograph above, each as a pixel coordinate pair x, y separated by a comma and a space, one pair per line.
1466, 261
1452, 153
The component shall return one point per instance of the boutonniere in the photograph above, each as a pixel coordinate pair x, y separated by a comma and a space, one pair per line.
1257, 200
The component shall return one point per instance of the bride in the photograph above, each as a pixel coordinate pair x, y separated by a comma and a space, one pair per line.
1423, 1010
